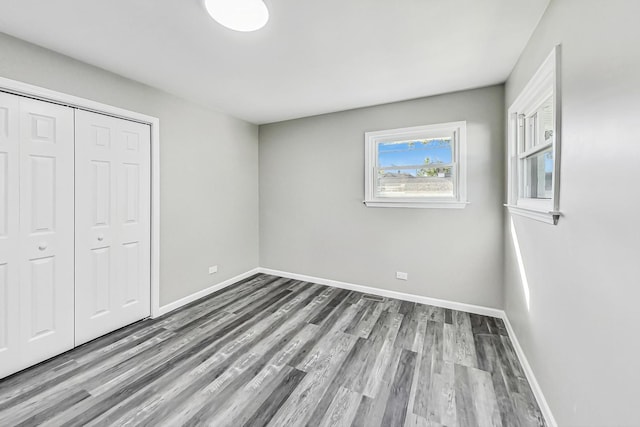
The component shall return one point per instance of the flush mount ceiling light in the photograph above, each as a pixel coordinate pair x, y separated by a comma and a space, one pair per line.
239, 15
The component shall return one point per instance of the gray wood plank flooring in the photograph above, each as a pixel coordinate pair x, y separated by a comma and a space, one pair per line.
270, 351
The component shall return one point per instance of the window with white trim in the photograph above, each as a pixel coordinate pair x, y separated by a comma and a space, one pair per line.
534, 146
417, 167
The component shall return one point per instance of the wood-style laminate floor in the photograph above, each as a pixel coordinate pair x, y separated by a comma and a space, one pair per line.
279, 352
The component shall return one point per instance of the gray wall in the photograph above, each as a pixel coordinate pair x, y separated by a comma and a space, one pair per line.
582, 334
209, 179
312, 220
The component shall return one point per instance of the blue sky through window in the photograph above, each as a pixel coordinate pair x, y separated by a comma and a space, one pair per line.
548, 162
405, 153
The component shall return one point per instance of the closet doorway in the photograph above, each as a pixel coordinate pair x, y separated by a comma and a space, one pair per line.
76, 208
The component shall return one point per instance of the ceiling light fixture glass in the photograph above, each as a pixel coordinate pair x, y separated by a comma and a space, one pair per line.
238, 15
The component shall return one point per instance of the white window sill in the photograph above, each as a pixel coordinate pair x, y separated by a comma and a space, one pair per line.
420, 205
548, 217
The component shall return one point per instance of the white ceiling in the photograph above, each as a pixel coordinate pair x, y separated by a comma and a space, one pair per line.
313, 57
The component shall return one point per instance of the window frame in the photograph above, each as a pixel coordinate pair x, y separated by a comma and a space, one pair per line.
545, 83
458, 131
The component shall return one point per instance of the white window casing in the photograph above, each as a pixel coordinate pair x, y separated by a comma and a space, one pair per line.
456, 132
527, 141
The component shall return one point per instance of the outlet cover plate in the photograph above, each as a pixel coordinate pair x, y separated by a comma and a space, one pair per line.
400, 275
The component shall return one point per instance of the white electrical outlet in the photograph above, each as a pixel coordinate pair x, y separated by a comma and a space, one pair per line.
213, 269
402, 275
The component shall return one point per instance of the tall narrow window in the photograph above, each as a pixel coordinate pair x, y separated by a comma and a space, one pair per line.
423, 166
534, 146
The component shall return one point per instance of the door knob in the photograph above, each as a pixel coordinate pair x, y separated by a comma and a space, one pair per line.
42, 246
100, 238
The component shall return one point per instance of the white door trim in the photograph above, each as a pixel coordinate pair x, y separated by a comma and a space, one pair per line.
24, 89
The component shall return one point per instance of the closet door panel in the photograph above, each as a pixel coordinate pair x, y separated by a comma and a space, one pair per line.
10, 344
112, 224
36, 232
46, 229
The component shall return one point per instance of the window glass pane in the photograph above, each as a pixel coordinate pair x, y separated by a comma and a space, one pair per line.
545, 115
415, 152
530, 131
416, 182
538, 175
538, 126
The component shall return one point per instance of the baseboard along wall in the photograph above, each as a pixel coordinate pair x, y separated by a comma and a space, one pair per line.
469, 308
203, 293
535, 387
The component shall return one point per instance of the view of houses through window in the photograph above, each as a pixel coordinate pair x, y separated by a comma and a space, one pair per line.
416, 168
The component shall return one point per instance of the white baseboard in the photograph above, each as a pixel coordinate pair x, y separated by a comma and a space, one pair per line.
535, 387
469, 308
203, 293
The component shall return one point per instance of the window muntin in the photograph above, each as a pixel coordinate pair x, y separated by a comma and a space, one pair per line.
422, 166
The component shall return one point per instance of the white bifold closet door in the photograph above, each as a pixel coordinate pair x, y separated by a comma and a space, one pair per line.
36, 232
113, 224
